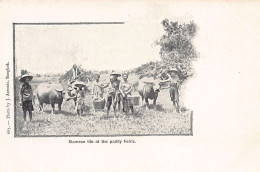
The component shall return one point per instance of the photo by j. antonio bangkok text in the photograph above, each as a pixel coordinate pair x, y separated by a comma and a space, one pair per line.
103, 78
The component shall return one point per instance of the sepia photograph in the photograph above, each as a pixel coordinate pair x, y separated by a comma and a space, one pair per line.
80, 79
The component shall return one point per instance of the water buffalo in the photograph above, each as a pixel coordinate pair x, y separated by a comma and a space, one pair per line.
48, 93
149, 90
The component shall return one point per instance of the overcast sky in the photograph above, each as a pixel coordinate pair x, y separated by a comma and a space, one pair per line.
55, 48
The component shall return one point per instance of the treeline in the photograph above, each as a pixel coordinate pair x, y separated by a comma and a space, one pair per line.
151, 69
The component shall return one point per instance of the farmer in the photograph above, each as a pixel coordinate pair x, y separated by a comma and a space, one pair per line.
72, 94
26, 96
80, 104
113, 96
125, 89
75, 74
174, 85
98, 88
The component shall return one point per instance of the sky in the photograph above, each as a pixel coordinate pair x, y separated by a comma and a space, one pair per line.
55, 48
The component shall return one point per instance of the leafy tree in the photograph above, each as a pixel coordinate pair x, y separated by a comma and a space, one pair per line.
177, 50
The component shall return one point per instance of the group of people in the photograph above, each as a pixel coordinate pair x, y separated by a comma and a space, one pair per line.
117, 91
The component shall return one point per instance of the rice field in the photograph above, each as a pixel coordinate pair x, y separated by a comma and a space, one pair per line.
159, 120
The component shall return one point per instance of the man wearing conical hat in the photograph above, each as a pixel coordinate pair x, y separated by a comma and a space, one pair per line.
125, 89
26, 96
174, 85
113, 96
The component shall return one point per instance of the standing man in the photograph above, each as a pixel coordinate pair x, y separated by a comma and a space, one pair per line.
125, 89
72, 84
80, 104
98, 88
113, 96
26, 96
174, 85
75, 74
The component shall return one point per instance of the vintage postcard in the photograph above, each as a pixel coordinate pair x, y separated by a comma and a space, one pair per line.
147, 85
86, 86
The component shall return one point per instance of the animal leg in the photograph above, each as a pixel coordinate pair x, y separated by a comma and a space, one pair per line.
59, 106
53, 108
42, 111
154, 102
147, 103
142, 101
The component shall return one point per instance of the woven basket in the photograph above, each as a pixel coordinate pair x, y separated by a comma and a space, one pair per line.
99, 104
134, 100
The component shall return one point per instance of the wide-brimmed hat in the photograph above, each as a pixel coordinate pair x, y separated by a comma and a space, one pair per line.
25, 76
79, 84
172, 70
125, 75
115, 74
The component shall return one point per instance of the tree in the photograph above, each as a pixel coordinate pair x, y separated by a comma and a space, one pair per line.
177, 50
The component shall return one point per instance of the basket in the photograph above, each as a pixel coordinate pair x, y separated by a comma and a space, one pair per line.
134, 100
99, 104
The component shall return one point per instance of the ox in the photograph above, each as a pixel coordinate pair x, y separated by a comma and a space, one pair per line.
48, 93
149, 90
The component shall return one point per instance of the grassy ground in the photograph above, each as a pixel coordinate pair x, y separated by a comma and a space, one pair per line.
161, 119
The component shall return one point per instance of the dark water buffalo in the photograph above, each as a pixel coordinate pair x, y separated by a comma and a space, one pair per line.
149, 90
48, 93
